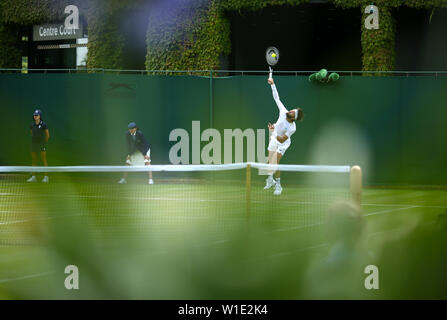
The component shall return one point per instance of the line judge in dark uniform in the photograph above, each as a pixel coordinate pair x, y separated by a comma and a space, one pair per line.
139, 152
39, 138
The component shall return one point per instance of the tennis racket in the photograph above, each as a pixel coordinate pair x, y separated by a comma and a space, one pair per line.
272, 57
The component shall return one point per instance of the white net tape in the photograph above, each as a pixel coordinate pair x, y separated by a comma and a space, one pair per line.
180, 168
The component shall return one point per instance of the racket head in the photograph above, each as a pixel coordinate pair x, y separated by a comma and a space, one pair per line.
272, 56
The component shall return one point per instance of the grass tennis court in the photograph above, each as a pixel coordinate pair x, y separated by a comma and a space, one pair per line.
188, 238
173, 204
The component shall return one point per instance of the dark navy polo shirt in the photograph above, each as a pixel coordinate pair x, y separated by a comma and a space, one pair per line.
38, 132
137, 142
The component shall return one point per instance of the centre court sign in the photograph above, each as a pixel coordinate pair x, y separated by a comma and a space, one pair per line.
47, 32
69, 29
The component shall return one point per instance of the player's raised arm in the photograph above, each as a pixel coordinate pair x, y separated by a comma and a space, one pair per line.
281, 107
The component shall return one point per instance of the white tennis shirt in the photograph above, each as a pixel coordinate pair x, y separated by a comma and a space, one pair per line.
282, 126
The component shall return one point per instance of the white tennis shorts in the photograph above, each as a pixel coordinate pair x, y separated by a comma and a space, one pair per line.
276, 146
137, 158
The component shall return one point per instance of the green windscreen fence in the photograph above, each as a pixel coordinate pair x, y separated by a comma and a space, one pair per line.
393, 127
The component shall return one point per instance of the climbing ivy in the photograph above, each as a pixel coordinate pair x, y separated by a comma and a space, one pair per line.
195, 36
378, 45
16, 13
10, 54
28, 12
187, 37
183, 34
105, 41
427, 4
256, 4
105, 46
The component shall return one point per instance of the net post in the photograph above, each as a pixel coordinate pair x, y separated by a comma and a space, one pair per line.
356, 184
248, 191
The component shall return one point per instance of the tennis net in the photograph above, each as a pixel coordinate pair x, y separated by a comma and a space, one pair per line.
184, 198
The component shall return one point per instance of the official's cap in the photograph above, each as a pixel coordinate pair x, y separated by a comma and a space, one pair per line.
37, 112
132, 125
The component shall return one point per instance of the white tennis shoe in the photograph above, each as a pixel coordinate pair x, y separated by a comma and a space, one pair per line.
122, 181
32, 179
269, 182
45, 179
278, 190
151, 181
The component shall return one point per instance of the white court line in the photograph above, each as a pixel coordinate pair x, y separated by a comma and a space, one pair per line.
403, 205
14, 222
384, 231
194, 218
390, 210
298, 250
242, 201
369, 214
297, 228
322, 245
161, 199
28, 220
26, 277
318, 246
210, 244
231, 200
39, 219
22, 221
253, 201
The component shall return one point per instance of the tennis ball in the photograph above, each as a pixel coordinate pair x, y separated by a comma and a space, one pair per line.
273, 55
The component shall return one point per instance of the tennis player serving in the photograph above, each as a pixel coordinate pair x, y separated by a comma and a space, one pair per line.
280, 139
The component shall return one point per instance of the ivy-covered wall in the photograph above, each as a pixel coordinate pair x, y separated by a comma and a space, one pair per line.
28, 12
378, 46
189, 36
105, 43
184, 41
105, 40
16, 13
183, 34
194, 35
10, 53
105, 47
427, 4
256, 4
